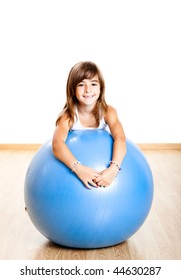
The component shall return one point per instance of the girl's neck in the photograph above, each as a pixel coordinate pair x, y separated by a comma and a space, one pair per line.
85, 109
86, 116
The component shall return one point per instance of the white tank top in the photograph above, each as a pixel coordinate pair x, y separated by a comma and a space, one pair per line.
78, 126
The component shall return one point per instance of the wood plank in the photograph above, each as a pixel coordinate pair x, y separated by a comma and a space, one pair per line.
20, 146
142, 146
159, 146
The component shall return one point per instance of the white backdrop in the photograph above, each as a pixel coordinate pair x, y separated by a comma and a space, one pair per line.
137, 45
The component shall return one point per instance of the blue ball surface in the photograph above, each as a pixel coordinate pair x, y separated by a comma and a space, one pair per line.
68, 213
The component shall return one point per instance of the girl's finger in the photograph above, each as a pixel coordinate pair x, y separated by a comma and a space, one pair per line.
93, 183
87, 185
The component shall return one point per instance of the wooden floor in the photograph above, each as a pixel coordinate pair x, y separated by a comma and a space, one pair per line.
158, 238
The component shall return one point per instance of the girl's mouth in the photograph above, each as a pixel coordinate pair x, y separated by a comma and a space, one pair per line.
88, 96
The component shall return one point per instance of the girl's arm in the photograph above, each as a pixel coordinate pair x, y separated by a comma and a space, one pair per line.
119, 148
86, 174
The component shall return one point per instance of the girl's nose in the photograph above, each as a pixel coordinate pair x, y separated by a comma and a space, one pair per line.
88, 88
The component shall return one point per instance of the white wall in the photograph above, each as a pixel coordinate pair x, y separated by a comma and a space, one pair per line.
137, 44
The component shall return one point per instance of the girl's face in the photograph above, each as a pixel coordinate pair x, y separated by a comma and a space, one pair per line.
88, 91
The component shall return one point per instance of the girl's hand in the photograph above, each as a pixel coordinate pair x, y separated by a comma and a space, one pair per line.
87, 175
107, 176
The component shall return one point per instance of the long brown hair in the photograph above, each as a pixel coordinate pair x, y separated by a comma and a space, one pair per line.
79, 72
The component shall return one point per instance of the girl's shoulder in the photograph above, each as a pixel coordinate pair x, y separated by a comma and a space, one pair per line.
111, 111
63, 118
111, 116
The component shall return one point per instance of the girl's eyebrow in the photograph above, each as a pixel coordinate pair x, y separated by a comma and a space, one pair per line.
95, 81
83, 81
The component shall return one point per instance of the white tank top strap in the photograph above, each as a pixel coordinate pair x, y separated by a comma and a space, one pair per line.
78, 126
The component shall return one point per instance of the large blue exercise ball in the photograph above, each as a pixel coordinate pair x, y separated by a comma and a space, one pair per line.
68, 213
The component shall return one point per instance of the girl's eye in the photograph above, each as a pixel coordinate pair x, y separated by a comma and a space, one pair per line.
80, 85
94, 84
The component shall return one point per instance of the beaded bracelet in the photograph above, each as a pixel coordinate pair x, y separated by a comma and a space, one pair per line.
74, 165
115, 163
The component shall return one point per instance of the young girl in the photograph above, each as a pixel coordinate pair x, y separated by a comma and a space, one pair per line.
86, 108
